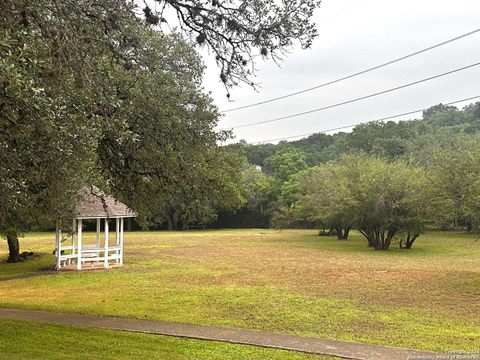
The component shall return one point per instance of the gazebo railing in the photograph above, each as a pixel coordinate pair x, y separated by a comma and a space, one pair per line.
90, 254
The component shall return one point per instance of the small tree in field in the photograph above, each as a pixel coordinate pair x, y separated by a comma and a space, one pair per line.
387, 199
325, 198
383, 200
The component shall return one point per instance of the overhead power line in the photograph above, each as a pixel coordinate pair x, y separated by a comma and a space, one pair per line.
355, 74
353, 100
364, 122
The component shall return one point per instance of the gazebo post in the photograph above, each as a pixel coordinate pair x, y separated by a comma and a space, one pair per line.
58, 242
79, 245
121, 241
74, 222
105, 261
117, 238
98, 233
117, 231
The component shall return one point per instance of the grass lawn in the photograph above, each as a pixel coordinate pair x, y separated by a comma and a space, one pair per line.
40, 341
290, 281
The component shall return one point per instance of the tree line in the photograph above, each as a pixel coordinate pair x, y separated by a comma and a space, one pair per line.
389, 180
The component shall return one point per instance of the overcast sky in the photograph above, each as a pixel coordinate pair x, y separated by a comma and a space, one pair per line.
354, 35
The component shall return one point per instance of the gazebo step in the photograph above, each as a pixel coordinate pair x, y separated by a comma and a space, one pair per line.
90, 266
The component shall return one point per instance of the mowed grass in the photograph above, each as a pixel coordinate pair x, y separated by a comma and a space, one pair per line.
28, 340
289, 282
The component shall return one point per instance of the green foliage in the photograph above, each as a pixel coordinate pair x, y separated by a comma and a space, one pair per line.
169, 168
390, 140
284, 166
257, 193
377, 197
256, 187
387, 198
324, 197
320, 148
285, 163
442, 115
255, 154
53, 103
454, 191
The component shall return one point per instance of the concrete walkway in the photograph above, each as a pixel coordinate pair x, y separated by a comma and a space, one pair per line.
305, 344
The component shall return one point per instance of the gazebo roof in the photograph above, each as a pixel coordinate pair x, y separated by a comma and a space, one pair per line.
94, 204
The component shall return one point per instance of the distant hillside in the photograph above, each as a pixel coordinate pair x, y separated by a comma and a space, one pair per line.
389, 139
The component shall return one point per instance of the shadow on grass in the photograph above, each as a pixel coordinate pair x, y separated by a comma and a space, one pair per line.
357, 244
35, 267
28, 276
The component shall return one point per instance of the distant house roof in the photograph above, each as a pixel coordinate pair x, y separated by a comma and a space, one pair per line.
94, 203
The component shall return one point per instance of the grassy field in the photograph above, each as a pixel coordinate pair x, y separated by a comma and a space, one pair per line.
290, 281
50, 342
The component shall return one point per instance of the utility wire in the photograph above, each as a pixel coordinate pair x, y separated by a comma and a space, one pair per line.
357, 73
352, 125
353, 100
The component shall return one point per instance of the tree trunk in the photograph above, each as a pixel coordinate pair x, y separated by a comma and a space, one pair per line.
369, 235
379, 239
331, 231
409, 240
173, 220
338, 230
170, 223
474, 227
342, 231
13, 248
388, 240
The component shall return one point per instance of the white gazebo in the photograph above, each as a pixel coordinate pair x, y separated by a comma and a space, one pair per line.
103, 253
